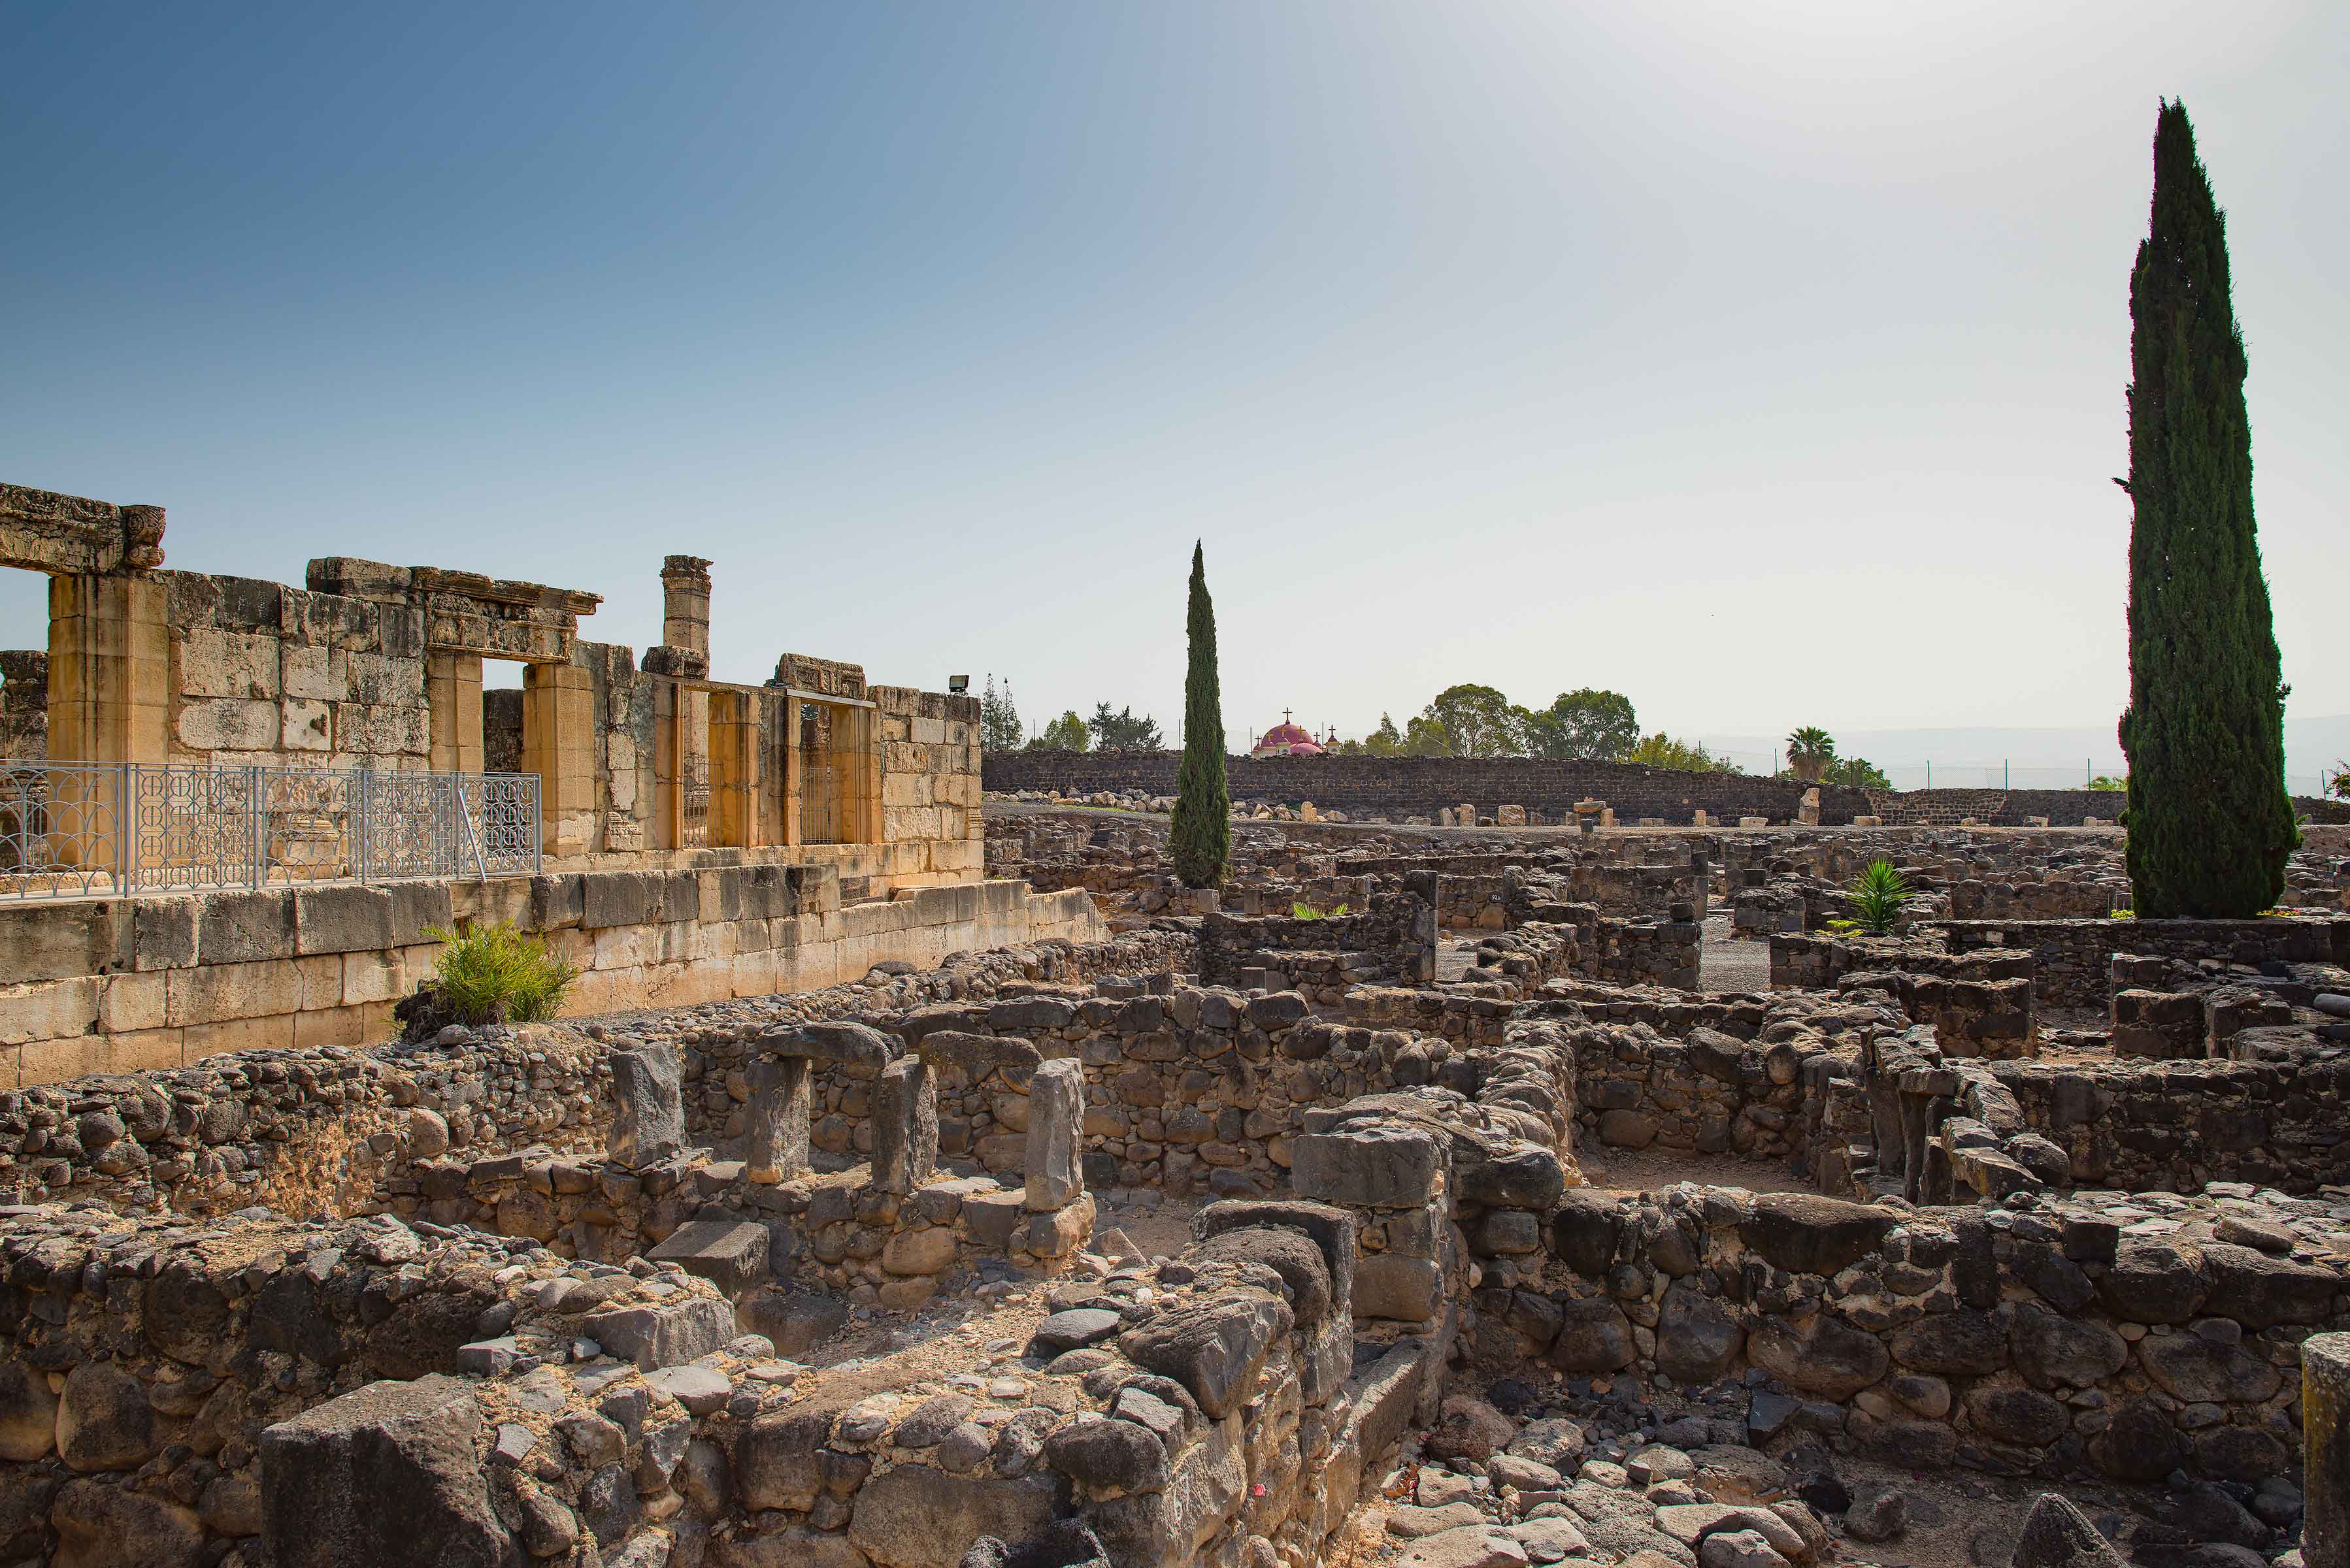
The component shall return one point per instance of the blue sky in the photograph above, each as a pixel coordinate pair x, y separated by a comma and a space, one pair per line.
1765, 363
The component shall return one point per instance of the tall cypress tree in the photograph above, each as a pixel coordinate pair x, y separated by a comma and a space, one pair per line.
1202, 839
2210, 824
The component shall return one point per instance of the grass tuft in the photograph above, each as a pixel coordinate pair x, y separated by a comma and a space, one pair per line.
495, 974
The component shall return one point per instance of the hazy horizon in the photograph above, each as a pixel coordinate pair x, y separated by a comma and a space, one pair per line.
1765, 365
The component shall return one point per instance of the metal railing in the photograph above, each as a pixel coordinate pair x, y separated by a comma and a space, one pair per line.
80, 829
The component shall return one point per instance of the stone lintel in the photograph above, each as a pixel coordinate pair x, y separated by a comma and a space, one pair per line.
73, 536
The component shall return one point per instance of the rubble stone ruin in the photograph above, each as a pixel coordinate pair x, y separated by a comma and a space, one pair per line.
906, 1187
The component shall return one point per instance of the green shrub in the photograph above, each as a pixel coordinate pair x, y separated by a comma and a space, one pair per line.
1875, 897
495, 974
1308, 912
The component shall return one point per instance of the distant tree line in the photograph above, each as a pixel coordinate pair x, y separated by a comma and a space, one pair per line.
1468, 719
1124, 731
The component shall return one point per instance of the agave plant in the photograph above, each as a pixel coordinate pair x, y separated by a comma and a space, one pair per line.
1875, 897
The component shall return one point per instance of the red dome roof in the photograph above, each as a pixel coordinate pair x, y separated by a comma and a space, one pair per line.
1286, 739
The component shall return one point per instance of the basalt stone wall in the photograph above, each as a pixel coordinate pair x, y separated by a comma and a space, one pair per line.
1398, 787
2173, 1127
1736, 1085
2072, 960
297, 1130
1496, 900
144, 1363
1197, 1087
1392, 941
831, 1233
2048, 900
321, 1129
1810, 961
2044, 1342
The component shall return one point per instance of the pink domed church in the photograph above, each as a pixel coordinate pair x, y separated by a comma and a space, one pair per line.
1285, 740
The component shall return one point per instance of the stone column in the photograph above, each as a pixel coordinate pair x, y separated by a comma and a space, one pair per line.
778, 1147
1056, 1121
453, 689
905, 1126
2325, 1449
109, 670
685, 604
559, 740
648, 1107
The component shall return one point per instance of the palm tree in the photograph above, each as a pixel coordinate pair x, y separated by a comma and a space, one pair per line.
1810, 750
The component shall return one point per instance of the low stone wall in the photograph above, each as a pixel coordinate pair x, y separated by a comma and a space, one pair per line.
2052, 901
146, 1367
1738, 1087
2072, 959
1392, 941
216, 1396
1197, 1087
310, 1129
2053, 1340
1398, 787
1986, 1018
1650, 953
1806, 962
2177, 1126
134, 984
835, 1233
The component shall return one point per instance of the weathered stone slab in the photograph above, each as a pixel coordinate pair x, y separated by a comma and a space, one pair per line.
648, 1105
383, 1476
776, 1149
1057, 1113
859, 1047
663, 1335
730, 1254
905, 1126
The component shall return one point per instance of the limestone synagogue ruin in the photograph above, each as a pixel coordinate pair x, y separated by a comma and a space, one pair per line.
639, 1118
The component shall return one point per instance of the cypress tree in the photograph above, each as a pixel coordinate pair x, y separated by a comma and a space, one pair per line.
1202, 836
2210, 824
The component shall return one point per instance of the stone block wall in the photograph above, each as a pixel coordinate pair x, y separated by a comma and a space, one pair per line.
1666, 952
146, 1366
322, 1127
1398, 787
2174, 1126
1818, 961
356, 1394
830, 1233
1392, 941
23, 703
1711, 1090
2063, 900
262, 675
2049, 1340
132, 984
2073, 958
1200, 1087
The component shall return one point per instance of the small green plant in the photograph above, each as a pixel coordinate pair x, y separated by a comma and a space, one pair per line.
1875, 897
495, 974
1308, 912
2106, 783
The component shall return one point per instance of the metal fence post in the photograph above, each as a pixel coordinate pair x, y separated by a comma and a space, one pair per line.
256, 849
360, 824
125, 850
